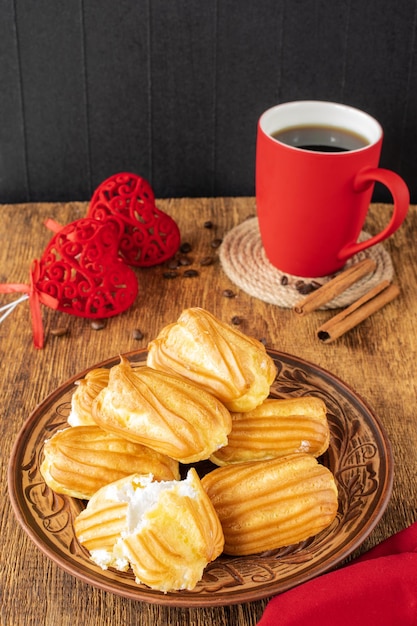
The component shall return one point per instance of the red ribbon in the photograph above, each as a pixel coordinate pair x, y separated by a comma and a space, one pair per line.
36, 297
53, 225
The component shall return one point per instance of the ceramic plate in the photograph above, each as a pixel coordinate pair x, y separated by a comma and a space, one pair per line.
359, 456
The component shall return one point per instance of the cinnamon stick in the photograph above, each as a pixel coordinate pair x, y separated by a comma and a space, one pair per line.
372, 301
334, 287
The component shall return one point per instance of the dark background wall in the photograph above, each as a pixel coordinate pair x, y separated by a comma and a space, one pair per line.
172, 89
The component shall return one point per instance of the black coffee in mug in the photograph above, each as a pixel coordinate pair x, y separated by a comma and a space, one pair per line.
320, 138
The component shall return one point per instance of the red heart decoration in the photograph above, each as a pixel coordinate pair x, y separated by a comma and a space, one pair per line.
81, 269
150, 235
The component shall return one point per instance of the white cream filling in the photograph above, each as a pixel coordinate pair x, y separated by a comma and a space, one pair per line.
105, 559
142, 495
143, 500
73, 419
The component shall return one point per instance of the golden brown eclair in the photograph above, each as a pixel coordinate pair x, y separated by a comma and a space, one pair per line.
167, 532
165, 412
86, 391
80, 460
264, 505
232, 366
277, 427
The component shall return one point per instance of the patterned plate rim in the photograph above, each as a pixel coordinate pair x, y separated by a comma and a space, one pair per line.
198, 598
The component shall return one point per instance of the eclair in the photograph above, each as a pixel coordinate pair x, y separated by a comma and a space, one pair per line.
167, 532
277, 427
265, 505
224, 361
166, 412
80, 460
85, 392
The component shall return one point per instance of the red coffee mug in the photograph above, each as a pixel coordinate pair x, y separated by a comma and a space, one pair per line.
316, 166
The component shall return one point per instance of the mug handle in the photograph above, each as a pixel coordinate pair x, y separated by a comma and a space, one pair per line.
401, 199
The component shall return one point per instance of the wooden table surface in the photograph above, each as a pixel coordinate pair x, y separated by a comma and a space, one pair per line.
377, 359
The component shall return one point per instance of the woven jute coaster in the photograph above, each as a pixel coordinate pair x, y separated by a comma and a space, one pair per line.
244, 261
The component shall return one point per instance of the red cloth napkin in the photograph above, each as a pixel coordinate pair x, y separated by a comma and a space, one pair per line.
377, 589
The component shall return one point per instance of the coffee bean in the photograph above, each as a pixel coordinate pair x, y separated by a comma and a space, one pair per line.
170, 274
98, 324
216, 243
184, 261
208, 224
304, 288
172, 264
228, 293
236, 320
190, 273
58, 332
284, 280
185, 247
207, 260
137, 334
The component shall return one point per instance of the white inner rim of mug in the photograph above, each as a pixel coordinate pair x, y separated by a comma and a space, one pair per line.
320, 113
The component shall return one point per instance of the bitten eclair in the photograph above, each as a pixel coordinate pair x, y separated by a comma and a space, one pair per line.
166, 532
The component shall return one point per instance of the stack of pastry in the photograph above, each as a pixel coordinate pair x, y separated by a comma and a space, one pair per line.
203, 394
